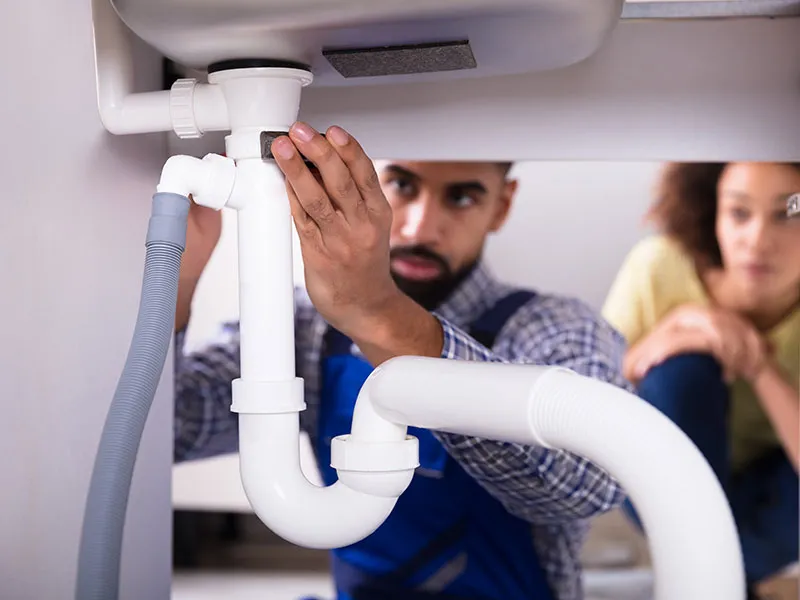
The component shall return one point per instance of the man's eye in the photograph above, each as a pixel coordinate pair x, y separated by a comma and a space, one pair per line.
462, 200
402, 186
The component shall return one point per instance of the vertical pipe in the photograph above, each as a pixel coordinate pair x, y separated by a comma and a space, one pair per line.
266, 282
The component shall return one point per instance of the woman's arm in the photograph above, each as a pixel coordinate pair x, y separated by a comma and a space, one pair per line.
781, 402
738, 347
666, 340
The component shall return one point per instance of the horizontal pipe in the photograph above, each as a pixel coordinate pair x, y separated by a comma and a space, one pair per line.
124, 112
210, 108
452, 395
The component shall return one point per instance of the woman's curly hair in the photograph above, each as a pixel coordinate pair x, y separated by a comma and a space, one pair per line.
686, 208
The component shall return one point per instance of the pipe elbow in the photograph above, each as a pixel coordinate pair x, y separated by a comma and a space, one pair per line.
180, 175
208, 180
291, 506
378, 457
110, 118
123, 113
304, 514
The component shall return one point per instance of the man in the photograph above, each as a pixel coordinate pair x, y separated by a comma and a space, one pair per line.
481, 519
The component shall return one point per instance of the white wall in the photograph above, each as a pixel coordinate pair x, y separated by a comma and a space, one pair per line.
75, 205
572, 224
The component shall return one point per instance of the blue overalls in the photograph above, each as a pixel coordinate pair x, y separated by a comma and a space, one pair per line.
447, 538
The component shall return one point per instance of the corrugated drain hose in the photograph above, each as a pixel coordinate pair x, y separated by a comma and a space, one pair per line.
106, 505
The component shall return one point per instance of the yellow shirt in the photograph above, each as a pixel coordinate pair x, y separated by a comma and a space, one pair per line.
658, 276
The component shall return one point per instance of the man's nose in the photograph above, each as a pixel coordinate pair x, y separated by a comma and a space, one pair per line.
422, 222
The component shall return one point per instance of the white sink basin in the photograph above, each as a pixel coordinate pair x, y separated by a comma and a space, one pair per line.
504, 36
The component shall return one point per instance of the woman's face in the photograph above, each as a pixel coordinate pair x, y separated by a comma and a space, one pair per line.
760, 245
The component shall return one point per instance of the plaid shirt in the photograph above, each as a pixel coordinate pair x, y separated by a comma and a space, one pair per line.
555, 491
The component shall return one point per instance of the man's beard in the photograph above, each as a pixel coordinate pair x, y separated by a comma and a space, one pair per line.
431, 293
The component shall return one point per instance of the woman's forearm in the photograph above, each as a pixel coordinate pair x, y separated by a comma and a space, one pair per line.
782, 405
665, 341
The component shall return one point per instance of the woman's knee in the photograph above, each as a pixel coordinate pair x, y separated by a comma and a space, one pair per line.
686, 376
690, 391
688, 388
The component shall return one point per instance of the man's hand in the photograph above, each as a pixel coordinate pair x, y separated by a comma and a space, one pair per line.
203, 230
343, 221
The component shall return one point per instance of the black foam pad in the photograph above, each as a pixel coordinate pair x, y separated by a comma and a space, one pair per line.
401, 60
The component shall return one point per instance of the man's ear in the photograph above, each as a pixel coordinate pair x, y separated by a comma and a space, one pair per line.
507, 194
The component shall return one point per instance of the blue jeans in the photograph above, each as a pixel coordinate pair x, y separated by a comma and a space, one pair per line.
690, 390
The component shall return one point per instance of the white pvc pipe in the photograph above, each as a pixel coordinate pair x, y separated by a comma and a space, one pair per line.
268, 397
209, 181
690, 528
124, 112
297, 510
266, 277
210, 109
261, 98
121, 111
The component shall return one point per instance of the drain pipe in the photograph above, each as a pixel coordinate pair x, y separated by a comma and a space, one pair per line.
269, 396
690, 528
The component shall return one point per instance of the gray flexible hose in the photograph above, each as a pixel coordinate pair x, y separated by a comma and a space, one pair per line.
106, 505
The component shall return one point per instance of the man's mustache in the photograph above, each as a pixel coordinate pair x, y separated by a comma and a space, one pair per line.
423, 253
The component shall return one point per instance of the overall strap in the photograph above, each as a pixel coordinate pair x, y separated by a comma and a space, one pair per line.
394, 584
486, 327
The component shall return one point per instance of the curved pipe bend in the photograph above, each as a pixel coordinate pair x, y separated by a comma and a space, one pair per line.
690, 528
209, 181
123, 111
299, 511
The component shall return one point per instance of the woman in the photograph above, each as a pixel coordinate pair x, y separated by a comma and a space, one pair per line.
710, 308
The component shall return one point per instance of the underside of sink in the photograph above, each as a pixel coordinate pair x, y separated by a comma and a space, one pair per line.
352, 42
